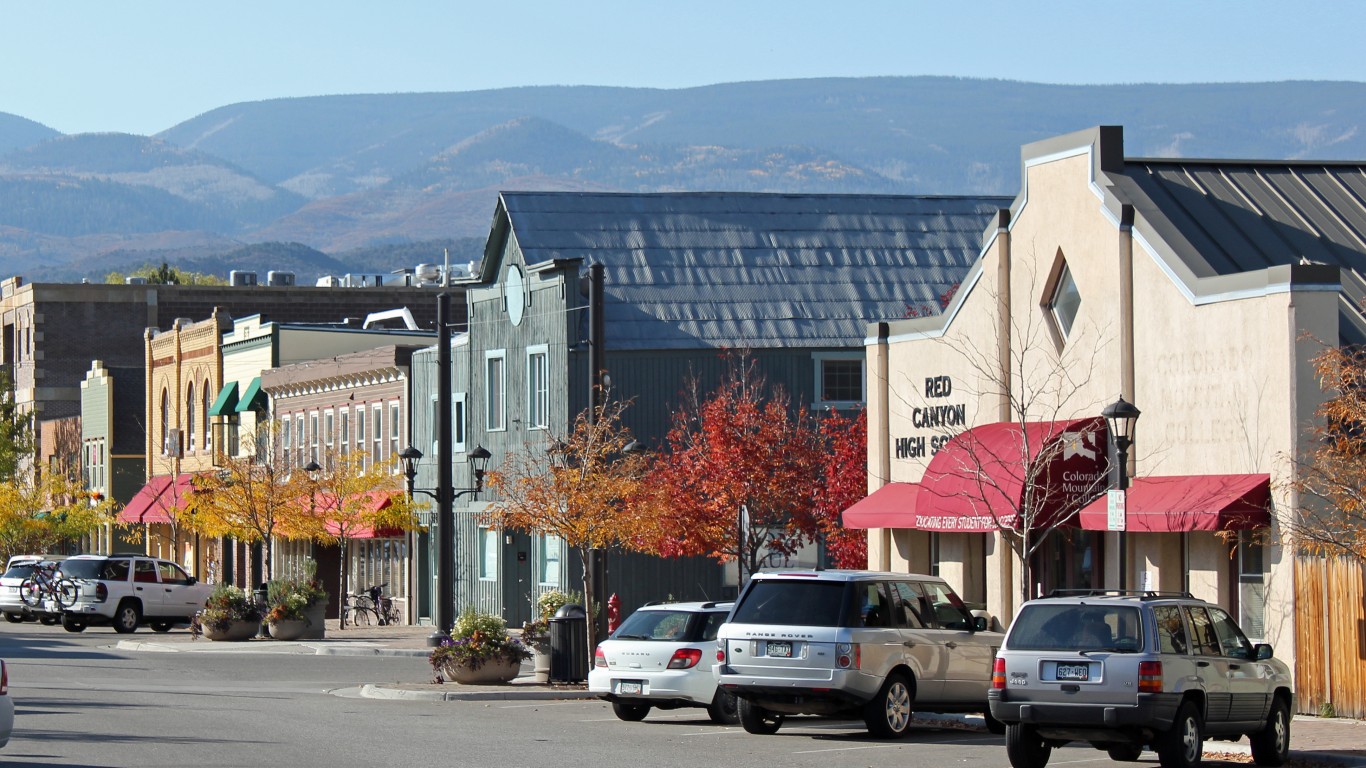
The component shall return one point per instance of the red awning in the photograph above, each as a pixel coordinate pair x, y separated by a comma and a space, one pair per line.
1189, 503
891, 506
161, 493
977, 481
374, 502
142, 508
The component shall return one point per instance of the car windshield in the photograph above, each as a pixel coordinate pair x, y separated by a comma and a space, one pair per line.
1076, 627
660, 625
799, 603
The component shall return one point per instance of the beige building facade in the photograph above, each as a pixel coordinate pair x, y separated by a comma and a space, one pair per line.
1198, 291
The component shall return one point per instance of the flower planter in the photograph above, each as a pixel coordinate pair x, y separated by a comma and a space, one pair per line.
234, 632
540, 659
490, 671
288, 629
316, 617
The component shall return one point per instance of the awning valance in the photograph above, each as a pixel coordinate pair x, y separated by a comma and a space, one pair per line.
226, 402
986, 477
891, 506
253, 399
1189, 503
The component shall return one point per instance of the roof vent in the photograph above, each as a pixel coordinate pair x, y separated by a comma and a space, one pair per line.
134, 280
239, 278
283, 279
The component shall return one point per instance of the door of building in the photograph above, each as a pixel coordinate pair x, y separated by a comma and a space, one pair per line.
1070, 558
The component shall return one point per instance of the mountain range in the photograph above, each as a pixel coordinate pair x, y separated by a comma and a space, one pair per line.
371, 183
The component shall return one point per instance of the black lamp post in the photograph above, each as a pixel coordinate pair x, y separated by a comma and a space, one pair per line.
1122, 417
444, 495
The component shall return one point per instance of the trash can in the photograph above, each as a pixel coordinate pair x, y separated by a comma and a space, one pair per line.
569, 645
262, 595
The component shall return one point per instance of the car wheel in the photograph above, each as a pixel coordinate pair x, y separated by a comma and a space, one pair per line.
723, 709
161, 626
756, 719
888, 715
993, 725
1125, 753
48, 621
1184, 744
126, 618
1025, 748
72, 624
14, 618
1271, 745
630, 711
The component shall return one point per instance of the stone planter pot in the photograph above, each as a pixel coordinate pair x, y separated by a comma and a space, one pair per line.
316, 617
288, 629
234, 632
491, 671
540, 659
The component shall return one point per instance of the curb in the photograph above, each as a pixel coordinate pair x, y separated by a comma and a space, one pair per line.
512, 692
275, 647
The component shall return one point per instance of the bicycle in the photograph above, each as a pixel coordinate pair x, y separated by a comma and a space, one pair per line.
359, 610
384, 606
44, 584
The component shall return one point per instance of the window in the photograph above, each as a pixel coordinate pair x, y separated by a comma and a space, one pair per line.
376, 434
1251, 585
344, 425
436, 425
458, 421
551, 547
313, 436
299, 441
839, 378
495, 414
286, 441
1065, 301
538, 388
328, 425
395, 431
1171, 630
191, 402
206, 431
360, 434
948, 610
488, 554
165, 423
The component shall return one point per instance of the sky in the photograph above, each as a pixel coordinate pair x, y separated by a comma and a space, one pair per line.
144, 66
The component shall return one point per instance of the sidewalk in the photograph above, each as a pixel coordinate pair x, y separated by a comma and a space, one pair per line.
1313, 740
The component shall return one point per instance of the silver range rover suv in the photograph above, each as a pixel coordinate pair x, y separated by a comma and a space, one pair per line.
1129, 670
863, 643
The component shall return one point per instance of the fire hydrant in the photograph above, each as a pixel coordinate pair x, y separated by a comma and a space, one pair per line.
613, 613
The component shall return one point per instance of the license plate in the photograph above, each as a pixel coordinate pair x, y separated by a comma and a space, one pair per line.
629, 687
1074, 672
781, 650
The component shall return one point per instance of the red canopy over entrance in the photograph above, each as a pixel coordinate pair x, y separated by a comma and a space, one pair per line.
374, 502
891, 506
977, 482
161, 493
1189, 503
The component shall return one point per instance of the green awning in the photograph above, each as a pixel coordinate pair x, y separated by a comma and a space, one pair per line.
253, 399
226, 402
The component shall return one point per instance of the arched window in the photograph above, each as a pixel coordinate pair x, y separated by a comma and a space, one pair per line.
190, 405
205, 429
165, 422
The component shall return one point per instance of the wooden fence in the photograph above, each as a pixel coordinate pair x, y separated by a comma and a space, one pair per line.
1330, 636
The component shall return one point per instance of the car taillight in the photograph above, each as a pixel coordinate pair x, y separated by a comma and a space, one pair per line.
848, 655
4, 679
101, 592
685, 658
998, 674
1150, 677
720, 652
599, 658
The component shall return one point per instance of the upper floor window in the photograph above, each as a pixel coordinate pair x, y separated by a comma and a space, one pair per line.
538, 388
205, 428
191, 402
360, 435
495, 415
286, 441
1065, 301
839, 378
376, 434
458, 421
395, 432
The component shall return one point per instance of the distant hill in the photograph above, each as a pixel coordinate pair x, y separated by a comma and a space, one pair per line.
365, 174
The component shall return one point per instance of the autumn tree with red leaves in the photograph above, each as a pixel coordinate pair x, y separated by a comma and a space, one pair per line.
844, 482
738, 473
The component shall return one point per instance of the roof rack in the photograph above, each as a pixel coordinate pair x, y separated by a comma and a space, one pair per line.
1143, 593
714, 603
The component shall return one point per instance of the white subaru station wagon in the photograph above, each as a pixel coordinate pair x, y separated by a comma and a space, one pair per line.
854, 643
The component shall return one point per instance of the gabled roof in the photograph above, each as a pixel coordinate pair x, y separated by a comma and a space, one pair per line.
689, 270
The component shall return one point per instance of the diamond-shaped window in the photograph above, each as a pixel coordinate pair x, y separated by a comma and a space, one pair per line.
1065, 302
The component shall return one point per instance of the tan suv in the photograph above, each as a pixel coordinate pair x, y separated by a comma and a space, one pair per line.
864, 643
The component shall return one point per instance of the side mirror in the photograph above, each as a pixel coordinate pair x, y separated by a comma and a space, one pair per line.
191, 581
1264, 651
979, 624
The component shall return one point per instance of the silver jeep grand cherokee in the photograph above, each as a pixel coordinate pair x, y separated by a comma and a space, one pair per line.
862, 643
1125, 670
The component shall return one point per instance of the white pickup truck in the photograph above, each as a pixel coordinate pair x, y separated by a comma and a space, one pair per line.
126, 591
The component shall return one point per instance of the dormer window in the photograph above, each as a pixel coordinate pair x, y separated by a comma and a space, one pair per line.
1065, 301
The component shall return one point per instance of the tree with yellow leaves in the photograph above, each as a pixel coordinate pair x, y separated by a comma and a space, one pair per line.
585, 489
1333, 476
355, 498
255, 498
38, 515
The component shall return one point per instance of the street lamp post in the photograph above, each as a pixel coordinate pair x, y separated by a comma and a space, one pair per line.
445, 495
1122, 417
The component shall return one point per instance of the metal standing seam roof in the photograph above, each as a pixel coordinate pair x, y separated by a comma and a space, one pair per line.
690, 270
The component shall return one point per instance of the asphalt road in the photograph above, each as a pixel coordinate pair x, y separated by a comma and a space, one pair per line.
80, 701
